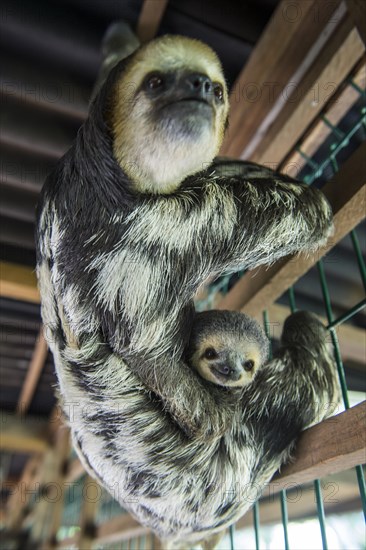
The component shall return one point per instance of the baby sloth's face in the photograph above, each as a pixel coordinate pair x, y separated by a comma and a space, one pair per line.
227, 366
227, 348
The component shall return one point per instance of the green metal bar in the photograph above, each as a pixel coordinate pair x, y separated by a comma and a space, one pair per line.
256, 524
357, 87
328, 308
283, 501
310, 178
360, 260
336, 131
284, 517
231, 535
321, 515
291, 295
342, 378
350, 313
307, 158
362, 487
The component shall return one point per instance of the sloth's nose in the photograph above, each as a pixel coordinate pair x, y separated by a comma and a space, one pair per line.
199, 84
223, 369
229, 371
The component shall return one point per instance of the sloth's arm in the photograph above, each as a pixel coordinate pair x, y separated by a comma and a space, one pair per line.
201, 410
272, 216
298, 388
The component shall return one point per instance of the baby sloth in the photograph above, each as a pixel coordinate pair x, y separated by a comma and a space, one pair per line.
227, 348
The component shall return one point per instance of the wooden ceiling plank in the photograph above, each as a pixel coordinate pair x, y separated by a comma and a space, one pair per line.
21, 494
150, 18
259, 288
332, 446
33, 373
285, 51
18, 282
88, 513
320, 84
123, 527
23, 434
319, 132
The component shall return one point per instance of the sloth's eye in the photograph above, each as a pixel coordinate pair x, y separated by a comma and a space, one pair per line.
248, 365
210, 353
154, 81
219, 92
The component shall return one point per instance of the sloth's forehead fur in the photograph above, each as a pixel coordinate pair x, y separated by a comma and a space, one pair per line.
174, 53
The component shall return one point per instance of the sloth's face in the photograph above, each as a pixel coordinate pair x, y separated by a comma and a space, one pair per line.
232, 365
170, 113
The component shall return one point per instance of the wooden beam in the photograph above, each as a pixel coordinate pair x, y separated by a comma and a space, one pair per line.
320, 84
352, 340
259, 288
20, 496
23, 434
91, 493
75, 471
334, 445
120, 528
62, 451
33, 373
319, 131
18, 282
150, 18
357, 9
290, 43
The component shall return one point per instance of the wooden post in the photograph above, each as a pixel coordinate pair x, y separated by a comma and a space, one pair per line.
91, 495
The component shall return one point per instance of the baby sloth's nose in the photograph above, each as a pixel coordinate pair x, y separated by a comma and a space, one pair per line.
231, 372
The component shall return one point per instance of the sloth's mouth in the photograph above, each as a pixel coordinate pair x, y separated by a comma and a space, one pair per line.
187, 101
225, 378
218, 374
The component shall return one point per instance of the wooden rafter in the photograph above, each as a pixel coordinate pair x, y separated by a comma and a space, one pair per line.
334, 445
89, 509
319, 131
150, 18
33, 373
18, 282
21, 494
287, 48
23, 435
346, 193
342, 52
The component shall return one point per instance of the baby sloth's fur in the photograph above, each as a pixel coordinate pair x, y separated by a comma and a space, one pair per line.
132, 220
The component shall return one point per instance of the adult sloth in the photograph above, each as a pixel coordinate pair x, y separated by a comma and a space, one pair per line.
134, 218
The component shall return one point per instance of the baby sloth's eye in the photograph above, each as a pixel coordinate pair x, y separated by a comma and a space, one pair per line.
248, 365
210, 353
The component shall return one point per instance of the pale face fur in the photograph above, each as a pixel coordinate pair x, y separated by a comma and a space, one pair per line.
158, 155
233, 352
